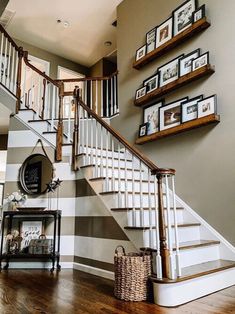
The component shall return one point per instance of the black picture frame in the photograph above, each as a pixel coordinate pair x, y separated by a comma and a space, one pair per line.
196, 66
179, 13
143, 126
147, 82
200, 13
140, 53
159, 40
151, 116
150, 46
159, 70
197, 52
193, 115
140, 92
201, 111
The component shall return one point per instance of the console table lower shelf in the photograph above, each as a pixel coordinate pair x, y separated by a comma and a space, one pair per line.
210, 119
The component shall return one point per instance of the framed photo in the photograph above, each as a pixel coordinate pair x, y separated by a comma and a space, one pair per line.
140, 92
151, 117
189, 109
164, 32
30, 230
185, 63
207, 106
170, 115
151, 40
200, 61
169, 72
143, 130
199, 14
140, 53
183, 16
151, 83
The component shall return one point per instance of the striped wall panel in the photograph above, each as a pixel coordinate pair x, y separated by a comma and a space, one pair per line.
89, 233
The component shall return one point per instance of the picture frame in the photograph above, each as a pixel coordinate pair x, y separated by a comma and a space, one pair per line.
200, 61
140, 53
151, 40
30, 230
164, 32
185, 63
199, 14
183, 16
143, 130
189, 109
170, 114
140, 92
207, 106
151, 117
151, 83
169, 72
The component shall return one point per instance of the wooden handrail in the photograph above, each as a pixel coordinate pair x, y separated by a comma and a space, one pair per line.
154, 169
54, 82
2, 30
84, 79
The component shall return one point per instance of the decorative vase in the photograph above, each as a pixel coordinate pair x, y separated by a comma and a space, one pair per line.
14, 206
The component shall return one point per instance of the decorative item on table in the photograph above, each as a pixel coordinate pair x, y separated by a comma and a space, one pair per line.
13, 242
199, 14
42, 245
169, 72
207, 106
151, 117
140, 92
51, 187
151, 83
189, 109
200, 61
16, 199
151, 40
185, 63
164, 32
170, 114
30, 230
183, 16
143, 129
140, 53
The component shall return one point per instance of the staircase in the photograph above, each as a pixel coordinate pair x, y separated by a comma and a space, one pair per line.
190, 259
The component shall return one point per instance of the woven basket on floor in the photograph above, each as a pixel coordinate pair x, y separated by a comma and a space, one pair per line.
131, 275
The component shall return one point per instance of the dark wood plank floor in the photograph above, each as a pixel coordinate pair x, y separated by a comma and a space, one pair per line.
68, 292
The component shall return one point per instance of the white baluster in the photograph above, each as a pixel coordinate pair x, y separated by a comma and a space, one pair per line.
15, 74
115, 95
111, 83
126, 182
5, 63
158, 255
91, 95
119, 177
11, 87
87, 138
113, 174
107, 162
24, 84
142, 222
96, 150
8, 67
134, 223
1, 53
69, 119
101, 99
107, 98
83, 131
92, 144
150, 210
96, 97
169, 231
101, 154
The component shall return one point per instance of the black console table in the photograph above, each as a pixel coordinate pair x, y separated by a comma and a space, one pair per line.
28, 214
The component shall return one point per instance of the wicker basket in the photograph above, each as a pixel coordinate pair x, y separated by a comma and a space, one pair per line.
131, 275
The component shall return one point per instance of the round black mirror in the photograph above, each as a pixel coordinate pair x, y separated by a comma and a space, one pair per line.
35, 173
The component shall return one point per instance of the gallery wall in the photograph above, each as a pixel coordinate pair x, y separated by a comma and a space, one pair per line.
204, 158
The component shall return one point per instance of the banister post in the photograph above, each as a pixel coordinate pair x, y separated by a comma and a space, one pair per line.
59, 135
76, 128
18, 80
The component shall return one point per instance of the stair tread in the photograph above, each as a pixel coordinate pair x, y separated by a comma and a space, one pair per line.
99, 156
190, 245
38, 120
179, 226
145, 208
199, 270
129, 192
121, 179
110, 167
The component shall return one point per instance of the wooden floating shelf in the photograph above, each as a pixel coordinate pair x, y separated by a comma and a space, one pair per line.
183, 80
179, 129
196, 28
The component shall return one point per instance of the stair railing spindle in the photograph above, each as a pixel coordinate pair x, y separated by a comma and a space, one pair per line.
158, 255
11, 85
107, 162
112, 103
1, 53
134, 222
150, 210
119, 176
113, 174
142, 220
126, 196
101, 99
8, 67
5, 63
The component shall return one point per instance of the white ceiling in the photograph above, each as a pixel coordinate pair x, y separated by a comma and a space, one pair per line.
4, 119
83, 41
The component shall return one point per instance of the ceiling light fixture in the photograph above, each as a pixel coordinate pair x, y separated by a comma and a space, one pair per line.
66, 24
108, 43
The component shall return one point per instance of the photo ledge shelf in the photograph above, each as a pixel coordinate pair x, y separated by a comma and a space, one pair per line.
197, 27
190, 125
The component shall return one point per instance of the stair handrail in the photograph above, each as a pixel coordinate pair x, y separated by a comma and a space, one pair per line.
87, 78
2, 30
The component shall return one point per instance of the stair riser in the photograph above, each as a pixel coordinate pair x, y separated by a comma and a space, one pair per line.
40, 127
67, 150
26, 115
87, 160
98, 153
51, 137
102, 173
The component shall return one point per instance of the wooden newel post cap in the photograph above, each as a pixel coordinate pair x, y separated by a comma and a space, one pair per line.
165, 171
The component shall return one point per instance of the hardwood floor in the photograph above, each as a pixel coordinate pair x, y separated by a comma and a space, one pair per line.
69, 292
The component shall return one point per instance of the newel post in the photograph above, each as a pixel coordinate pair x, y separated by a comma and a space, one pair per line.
76, 127
18, 79
59, 135
164, 250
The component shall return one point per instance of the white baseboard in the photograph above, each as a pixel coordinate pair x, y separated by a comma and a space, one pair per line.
37, 265
94, 271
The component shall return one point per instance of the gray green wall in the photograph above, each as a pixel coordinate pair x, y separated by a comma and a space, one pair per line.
204, 158
54, 60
